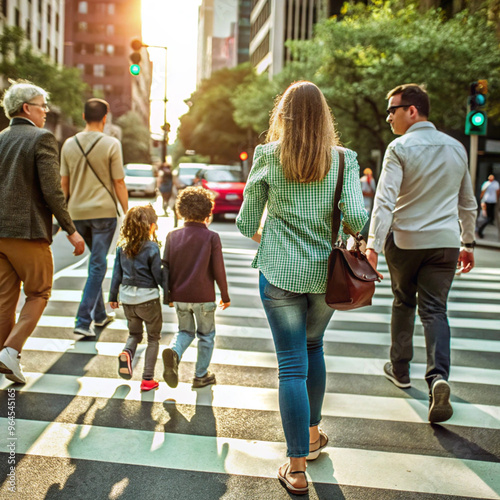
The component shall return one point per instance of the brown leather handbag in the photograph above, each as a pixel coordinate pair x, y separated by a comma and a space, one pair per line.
351, 278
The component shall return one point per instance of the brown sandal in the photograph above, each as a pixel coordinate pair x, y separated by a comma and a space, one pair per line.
318, 445
290, 488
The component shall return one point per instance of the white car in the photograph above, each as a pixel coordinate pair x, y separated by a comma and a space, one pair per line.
140, 179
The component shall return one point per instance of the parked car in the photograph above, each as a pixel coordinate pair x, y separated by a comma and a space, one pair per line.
140, 179
185, 173
227, 182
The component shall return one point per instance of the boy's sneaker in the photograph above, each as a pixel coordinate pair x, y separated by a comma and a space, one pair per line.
125, 365
11, 367
105, 322
401, 382
170, 367
208, 379
88, 332
440, 408
147, 385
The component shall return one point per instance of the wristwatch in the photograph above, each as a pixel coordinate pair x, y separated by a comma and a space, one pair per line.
468, 245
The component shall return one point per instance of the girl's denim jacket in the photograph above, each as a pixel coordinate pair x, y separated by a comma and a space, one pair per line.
142, 271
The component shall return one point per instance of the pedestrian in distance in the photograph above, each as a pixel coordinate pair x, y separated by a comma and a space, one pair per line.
165, 184
490, 194
368, 186
424, 189
31, 194
295, 174
192, 262
136, 277
92, 179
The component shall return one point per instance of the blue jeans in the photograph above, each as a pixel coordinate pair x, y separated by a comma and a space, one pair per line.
204, 329
98, 234
298, 322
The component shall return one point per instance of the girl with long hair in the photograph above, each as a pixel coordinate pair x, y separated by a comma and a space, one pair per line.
294, 174
136, 276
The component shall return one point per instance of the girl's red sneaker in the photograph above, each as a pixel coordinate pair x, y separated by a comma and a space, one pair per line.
148, 385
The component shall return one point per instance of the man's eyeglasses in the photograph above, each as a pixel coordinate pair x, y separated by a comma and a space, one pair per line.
392, 109
45, 106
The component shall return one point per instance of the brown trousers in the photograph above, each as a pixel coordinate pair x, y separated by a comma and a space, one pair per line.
28, 262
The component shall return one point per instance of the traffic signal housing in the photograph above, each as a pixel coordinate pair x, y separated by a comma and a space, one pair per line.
476, 122
135, 57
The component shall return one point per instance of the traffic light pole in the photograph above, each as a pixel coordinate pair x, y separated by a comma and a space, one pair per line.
474, 140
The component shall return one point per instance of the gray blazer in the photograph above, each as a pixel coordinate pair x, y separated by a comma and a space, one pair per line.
30, 189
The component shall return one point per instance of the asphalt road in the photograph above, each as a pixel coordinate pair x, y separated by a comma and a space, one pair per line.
84, 433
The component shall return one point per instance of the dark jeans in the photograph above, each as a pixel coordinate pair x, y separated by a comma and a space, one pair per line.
420, 277
490, 218
98, 234
150, 313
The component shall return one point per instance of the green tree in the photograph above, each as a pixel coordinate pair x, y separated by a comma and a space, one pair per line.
135, 138
209, 127
19, 61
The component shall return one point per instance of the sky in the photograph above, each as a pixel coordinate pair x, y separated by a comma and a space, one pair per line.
174, 24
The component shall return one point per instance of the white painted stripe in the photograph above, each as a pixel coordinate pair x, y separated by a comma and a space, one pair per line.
334, 364
350, 467
258, 399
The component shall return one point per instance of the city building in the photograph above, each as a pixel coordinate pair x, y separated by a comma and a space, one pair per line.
97, 40
273, 22
223, 35
41, 20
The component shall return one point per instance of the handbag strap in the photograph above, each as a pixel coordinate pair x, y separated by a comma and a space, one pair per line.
336, 198
85, 154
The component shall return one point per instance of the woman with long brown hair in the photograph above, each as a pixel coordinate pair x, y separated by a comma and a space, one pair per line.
295, 174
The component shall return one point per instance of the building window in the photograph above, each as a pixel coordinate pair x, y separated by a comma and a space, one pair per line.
49, 13
17, 17
110, 29
82, 27
81, 67
111, 9
40, 4
4, 8
99, 49
99, 70
57, 21
83, 7
39, 39
28, 29
56, 54
48, 48
98, 90
110, 49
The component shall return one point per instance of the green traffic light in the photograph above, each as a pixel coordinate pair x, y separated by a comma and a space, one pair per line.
135, 69
477, 119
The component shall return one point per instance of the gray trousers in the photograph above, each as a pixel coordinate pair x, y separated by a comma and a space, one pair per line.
420, 277
148, 313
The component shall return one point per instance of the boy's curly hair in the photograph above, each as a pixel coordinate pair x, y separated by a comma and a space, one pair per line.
194, 203
135, 229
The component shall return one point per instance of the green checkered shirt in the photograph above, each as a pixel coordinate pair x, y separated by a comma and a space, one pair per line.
296, 239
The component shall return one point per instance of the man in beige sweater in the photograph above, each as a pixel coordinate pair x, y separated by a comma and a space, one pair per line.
92, 179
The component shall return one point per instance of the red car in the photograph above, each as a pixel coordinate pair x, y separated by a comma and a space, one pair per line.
227, 182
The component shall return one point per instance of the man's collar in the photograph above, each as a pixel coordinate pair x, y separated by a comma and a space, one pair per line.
419, 125
21, 120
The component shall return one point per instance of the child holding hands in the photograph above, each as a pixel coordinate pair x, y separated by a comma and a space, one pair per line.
192, 260
136, 276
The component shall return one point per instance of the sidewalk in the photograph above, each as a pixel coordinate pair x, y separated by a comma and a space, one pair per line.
491, 238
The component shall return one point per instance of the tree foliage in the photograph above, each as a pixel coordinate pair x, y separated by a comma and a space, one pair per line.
373, 48
135, 138
209, 127
19, 61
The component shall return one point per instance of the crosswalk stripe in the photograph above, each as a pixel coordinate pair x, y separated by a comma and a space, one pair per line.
334, 364
258, 398
354, 467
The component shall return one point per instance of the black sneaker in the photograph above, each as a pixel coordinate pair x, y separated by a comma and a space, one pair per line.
208, 379
440, 408
401, 382
170, 367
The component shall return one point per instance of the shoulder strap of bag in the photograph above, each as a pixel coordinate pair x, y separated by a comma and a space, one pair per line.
92, 168
336, 198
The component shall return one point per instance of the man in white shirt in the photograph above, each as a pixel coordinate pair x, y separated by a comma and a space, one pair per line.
424, 192
490, 192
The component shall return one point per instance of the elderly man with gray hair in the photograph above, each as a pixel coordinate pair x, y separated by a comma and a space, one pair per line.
31, 193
